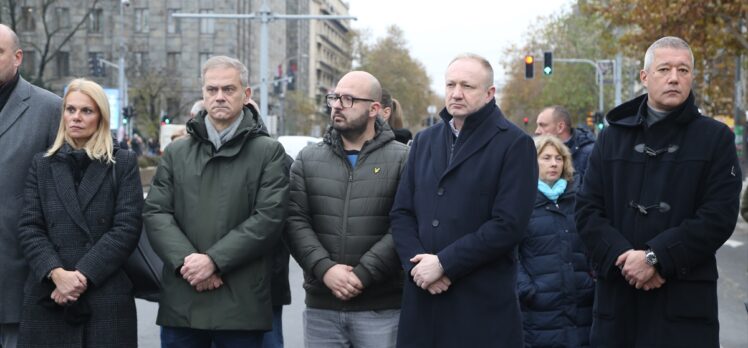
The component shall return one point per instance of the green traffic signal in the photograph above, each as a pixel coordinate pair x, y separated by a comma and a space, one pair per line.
547, 63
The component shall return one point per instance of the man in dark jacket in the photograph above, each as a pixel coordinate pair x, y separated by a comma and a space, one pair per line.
461, 209
214, 214
660, 197
555, 120
29, 117
338, 229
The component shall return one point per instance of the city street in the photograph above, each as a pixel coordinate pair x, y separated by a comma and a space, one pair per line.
732, 289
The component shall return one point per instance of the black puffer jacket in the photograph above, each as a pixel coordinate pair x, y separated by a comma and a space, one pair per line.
580, 145
554, 280
340, 215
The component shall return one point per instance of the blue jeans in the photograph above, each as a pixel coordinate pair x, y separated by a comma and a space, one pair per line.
364, 329
181, 337
274, 338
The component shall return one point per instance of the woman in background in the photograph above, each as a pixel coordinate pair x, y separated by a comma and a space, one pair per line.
554, 283
392, 114
81, 221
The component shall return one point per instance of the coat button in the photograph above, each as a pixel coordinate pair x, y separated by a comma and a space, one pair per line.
435, 223
440, 192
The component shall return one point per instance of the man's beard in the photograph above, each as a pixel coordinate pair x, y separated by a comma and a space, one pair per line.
353, 127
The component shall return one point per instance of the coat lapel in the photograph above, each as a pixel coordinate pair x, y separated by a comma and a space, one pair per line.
15, 107
92, 180
480, 137
66, 191
440, 150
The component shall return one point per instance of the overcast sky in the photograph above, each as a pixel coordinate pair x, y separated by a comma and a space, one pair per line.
438, 30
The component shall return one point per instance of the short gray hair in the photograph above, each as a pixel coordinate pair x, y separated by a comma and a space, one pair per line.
666, 42
226, 62
478, 58
561, 114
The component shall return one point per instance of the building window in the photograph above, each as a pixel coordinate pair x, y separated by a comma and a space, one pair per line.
63, 64
95, 21
203, 57
141, 20
62, 18
28, 19
172, 60
28, 66
173, 23
207, 25
140, 62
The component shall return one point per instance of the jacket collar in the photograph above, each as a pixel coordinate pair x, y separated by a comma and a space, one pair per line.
250, 126
633, 113
16, 105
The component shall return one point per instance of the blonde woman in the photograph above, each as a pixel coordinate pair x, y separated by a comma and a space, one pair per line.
555, 284
81, 220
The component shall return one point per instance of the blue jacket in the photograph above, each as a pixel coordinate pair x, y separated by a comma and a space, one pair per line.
471, 211
673, 187
554, 279
580, 144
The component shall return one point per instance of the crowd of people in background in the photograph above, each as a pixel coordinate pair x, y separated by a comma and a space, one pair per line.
469, 234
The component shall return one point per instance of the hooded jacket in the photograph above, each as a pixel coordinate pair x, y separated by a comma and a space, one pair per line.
339, 214
671, 187
229, 204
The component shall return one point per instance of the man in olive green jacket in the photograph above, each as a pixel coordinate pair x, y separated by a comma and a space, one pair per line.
214, 211
338, 228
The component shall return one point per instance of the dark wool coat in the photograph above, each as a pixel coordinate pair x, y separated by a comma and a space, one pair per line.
471, 212
28, 125
93, 230
554, 280
673, 187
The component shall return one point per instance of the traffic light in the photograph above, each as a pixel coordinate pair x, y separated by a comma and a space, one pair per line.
529, 67
526, 121
548, 63
291, 74
93, 65
590, 120
599, 120
165, 119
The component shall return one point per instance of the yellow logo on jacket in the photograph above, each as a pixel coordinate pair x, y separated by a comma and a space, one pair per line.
376, 170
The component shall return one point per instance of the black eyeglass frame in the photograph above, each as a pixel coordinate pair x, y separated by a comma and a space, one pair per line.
331, 98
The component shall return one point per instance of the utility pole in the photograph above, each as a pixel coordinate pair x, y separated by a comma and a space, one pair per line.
121, 66
265, 17
598, 73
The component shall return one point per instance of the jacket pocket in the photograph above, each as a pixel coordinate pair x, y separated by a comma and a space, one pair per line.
691, 300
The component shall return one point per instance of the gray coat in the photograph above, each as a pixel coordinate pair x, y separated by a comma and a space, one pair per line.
93, 229
28, 124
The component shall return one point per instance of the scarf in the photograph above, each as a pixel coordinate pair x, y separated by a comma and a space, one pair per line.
554, 192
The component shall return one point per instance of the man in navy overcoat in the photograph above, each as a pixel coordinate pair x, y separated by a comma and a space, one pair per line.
462, 206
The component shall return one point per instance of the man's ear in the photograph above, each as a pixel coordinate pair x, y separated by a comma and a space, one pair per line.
374, 109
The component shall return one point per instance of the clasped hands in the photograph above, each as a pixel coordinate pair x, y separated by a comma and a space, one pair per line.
69, 285
343, 283
428, 274
200, 271
638, 272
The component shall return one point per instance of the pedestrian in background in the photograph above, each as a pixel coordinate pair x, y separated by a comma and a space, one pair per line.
29, 118
392, 113
660, 196
554, 280
556, 120
81, 221
339, 231
462, 207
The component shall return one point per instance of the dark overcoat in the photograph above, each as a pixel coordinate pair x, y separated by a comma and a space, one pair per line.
673, 187
28, 125
471, 211
555, 284
92, 229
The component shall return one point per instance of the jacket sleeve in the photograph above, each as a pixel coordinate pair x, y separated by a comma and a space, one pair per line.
604, 243
110, 252
33, 236
681, 248
510, 214
167, 239
301, 238
380, 261
258, 234
403, 222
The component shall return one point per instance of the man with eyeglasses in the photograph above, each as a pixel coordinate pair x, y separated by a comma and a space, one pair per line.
214, 214
462, 207
338, 228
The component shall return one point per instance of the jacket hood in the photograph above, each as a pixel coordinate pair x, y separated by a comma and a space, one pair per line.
382, 135
251, 124
633, 112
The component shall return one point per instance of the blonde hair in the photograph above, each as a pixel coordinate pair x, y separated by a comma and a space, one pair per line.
548, 140
100, 145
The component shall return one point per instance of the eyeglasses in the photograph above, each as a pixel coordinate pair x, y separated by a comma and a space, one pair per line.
346, 101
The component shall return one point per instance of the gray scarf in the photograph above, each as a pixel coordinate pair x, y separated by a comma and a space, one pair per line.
218, 139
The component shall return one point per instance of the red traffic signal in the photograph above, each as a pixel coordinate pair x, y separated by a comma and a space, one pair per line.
525, 120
